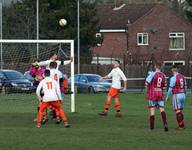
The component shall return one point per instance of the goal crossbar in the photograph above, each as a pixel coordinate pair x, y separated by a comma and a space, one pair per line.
71, 42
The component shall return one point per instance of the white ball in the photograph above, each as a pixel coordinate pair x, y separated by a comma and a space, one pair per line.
62, 22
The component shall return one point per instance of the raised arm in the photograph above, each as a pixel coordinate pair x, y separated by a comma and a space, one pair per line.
44, 63
105, 77
67, 62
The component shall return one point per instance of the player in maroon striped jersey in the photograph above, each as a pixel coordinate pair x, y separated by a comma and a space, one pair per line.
156, 83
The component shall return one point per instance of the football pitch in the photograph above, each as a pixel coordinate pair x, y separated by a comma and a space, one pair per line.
89, 131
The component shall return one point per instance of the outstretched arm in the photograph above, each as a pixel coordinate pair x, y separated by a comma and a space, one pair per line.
67, 62
44, 63
105, 77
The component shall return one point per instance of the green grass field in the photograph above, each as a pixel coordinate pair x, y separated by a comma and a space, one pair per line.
89, 131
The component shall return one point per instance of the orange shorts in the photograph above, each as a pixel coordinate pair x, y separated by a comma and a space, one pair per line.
113, 92
54, 104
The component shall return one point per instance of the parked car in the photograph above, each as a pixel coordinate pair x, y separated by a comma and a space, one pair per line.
12, 81
90, 83
28, 76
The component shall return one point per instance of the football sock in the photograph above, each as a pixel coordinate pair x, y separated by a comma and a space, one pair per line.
152, 121
45, 114
180, 119
62, 115
107, 105
117, 105
164, 118
54, 114
38, 109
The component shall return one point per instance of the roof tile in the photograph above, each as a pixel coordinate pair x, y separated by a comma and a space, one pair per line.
117, 19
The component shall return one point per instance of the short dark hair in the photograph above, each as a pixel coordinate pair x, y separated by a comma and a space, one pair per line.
150, 67
47, 73
53, 64
118, 61
158, 65
52, 54
174, 68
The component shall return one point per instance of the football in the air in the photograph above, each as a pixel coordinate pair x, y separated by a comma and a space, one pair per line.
62, 22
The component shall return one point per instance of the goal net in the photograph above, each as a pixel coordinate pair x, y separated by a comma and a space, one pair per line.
18, 55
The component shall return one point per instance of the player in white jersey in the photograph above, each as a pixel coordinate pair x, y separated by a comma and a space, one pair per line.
116, 74
55, 73
53, 57
58, 77
51, 96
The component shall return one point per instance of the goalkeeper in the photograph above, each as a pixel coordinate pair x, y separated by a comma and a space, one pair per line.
36, 72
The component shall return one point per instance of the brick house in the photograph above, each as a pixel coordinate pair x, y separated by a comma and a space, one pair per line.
141, 33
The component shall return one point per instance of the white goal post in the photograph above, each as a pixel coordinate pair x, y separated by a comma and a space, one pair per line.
71, 42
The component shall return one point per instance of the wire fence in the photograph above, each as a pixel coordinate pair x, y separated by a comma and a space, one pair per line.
136, 74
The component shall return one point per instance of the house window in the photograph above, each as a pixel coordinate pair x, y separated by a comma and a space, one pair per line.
98, 35
142, 38
177, 63
177, 41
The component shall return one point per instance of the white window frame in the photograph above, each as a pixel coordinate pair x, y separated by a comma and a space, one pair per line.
174, 62
104, 60
98, 35
177, 35
142, 34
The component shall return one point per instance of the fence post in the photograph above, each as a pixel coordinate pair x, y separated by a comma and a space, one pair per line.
1, 24
97, 64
